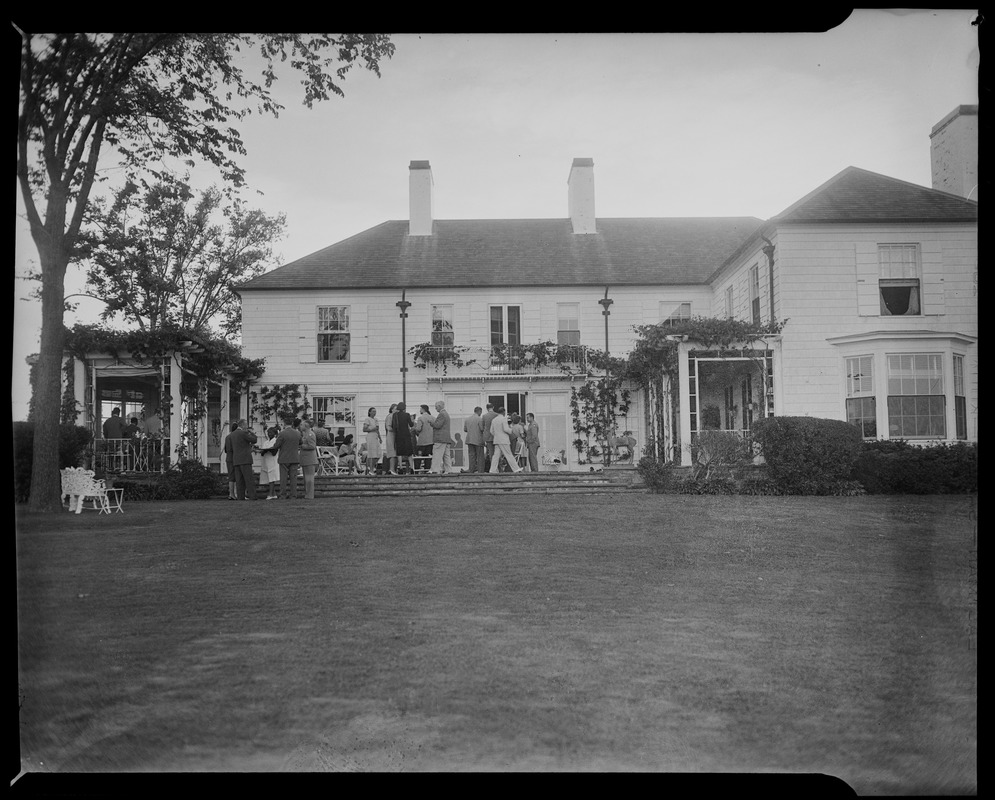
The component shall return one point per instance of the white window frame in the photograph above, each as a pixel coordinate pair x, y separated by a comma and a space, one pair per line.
730, 302
900, 273
860, 388
755, 314
568, 323
339, 327
326, 407
906, 376
675, 312
443, 327
504, 323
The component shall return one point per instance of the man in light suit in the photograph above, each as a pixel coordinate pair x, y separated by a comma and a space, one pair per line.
489, 415
474, 428
501, 429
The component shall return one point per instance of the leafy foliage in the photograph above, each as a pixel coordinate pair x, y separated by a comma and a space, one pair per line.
74, 443
808, 455
658, 476
152, 97
713, 453
284, 402
594, 409
425, 354
163, 258
900, 467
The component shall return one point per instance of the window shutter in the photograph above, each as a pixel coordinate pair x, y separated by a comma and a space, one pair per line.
867, 273
931, 254
308, 335
359, 340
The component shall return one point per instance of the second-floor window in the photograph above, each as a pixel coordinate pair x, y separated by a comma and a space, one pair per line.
674, 312
755, 293
568, 323
898, 282
442, 326
333, 333
506, 325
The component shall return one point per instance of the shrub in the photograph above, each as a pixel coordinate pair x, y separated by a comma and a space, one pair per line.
657, 476
716, 451
191, 480
74, 440
695, 485
899, 467
808, 455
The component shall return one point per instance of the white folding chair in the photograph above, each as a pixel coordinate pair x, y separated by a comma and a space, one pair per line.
328, 461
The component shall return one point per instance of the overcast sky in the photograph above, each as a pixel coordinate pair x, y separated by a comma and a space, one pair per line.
678, 125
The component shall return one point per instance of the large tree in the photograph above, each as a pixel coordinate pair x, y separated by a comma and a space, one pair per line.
167, 257
149, 97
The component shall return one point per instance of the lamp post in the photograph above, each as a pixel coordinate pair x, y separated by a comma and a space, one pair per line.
404, 305
605, 302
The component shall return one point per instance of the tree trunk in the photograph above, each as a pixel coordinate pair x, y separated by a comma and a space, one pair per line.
46, 485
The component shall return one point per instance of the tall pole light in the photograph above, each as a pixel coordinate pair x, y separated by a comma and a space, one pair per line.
605, 303
404, 305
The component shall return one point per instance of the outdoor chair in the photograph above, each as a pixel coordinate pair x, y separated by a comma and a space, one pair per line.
329, 462
78, 484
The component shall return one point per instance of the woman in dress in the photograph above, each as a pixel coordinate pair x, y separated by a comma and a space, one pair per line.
347, 452
517, 435
269, 471
309, 458
373, 441
390, 449
403, 443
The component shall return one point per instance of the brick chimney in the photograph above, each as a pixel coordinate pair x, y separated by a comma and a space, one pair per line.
420, 205
953, 151
580, 195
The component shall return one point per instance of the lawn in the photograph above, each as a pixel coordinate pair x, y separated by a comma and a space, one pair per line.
488, 633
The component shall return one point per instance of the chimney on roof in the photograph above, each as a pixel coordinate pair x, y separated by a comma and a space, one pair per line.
953, 151
580, 195
421, 211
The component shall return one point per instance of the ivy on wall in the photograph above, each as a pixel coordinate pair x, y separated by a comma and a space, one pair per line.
284, 402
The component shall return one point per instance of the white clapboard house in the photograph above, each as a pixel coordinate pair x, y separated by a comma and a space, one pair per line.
876, 277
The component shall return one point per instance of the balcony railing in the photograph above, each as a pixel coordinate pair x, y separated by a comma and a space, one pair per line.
508, 359
131, 455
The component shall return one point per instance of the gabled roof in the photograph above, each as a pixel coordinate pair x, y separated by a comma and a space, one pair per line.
856, 195
522, 252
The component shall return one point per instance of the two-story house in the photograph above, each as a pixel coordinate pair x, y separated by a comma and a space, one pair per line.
876, 278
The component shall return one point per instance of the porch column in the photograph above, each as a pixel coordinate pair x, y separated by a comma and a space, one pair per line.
175, 409
684, 429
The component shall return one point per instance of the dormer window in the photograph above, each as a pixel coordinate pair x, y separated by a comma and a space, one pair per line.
898, 282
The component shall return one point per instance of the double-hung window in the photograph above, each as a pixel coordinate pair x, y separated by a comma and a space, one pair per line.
333, 333
568, 323
673, 313
442, 326
730, 308
506, 325
960, 398
916, 400
338, 412
861, 409
898, 282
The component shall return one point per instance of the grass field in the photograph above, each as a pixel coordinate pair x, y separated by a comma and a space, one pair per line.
488, 633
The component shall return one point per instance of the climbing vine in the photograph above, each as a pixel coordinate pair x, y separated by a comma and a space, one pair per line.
595, 408
284, 402
440, 356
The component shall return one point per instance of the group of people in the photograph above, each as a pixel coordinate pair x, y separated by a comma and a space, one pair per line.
116, 428
494, 441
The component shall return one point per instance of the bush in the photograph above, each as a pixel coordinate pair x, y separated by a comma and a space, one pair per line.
657, 476
899, 467
716, 451
74, 440
808, 455
191, 480
694, 485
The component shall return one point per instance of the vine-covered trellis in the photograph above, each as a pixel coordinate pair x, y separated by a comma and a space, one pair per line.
283, 402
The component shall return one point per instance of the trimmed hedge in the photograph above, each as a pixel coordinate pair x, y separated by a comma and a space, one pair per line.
899, 467
73, 442
809, 455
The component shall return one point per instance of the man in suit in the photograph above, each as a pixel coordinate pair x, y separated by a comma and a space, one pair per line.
288, 447
442, 438
501, 429
532, 441
473, 426
241, 440
488, 435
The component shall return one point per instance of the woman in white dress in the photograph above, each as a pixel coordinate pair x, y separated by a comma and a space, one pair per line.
373, 441
269, 471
